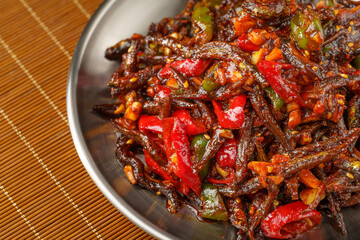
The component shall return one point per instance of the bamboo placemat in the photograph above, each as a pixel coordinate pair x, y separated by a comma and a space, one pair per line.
45, 192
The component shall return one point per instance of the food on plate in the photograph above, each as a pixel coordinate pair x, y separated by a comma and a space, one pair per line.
247, 111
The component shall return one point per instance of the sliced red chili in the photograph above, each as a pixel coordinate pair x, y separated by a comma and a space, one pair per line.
233, 117
193, 126
150, 123
165, 174
183, 188
161, 92
189, 67
156, 168
245, 44
289, 221
272, 73
228, 179
226, 156
178, 152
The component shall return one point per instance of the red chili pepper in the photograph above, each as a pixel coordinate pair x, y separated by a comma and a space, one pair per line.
357, 72
193, 126
229, 179
226, 156
245, 44
183, 188
233, 117
156, 168
178, 152
151, 123
189, 67
165, 174
272, 73
289, 221
161, 92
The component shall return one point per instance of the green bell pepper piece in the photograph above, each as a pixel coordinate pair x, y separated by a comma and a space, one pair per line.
329, 3
306, 30
275, 98
198, 146
213, 205
202, 22
209, 84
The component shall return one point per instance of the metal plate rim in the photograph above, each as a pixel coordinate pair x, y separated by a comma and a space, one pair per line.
78, 138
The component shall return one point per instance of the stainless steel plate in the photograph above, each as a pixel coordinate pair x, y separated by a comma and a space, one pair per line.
95, 138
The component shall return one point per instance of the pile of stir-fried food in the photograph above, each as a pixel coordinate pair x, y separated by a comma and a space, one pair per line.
246, 110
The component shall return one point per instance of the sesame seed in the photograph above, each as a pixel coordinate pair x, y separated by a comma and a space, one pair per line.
241, 65
344, 75
349, 175
130, 48
186, 84
206, 136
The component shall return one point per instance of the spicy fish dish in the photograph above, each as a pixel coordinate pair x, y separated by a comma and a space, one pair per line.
247, 111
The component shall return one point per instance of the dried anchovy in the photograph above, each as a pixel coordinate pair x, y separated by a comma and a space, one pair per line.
134, 82
131, 59
311, 161
125, 157
212, 147
115, 52
311, 68
353, 200
334, 205
229, 52
242, 157
263, 111
206, 113
151, 147
236, 214
325, 145
229, 91
248, 187
264, 209
333, 83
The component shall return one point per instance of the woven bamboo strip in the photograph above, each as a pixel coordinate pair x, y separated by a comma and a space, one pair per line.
111, 225
56, 229
6, 203
24, 235
35, 61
